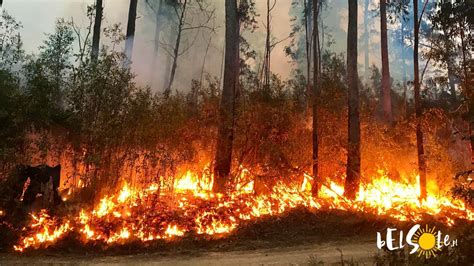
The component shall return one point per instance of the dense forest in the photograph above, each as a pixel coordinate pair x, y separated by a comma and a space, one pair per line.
336, 118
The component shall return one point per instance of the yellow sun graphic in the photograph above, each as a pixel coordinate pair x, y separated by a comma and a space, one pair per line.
427, 240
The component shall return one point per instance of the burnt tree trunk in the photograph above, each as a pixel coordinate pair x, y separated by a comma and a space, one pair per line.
386, 91
223, 158
366, 40
353, 150
177, 44
307, 21
97, 26
156, 41
130, 37
316, 182
418, 107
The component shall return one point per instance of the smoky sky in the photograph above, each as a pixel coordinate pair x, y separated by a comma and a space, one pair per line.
38, 18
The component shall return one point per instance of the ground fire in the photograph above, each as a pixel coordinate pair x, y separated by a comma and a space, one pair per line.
223, 132
151, 213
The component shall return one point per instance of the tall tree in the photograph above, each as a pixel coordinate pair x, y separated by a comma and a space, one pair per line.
386, 90
316, 84
366, 39
157, 11
307, 36
130, 37
353, 150
223, 156
181, 13
187, 12
266, 67
418, 107
97, 26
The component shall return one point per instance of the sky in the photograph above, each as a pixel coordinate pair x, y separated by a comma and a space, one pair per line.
38, 18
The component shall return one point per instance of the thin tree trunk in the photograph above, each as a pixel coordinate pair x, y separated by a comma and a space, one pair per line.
366, 39
386, 90
223, 158
176, 49
351, 185
130, 37
168, 63
204, 61
307, 12
418, 107
468, 91
404, 67
156, 40
97, 26
316, 82
451, 81
266, 60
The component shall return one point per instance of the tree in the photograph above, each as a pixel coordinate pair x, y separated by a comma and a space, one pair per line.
386, 90
315, 94
97, 26
366, 39
418, 108
186, 11
307, 36
266, 68
157, 12
353, 150
130, 37
223, 156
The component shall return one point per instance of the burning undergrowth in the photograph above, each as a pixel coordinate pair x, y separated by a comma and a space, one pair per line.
150, 214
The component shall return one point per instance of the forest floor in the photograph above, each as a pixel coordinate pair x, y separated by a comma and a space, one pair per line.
297, 237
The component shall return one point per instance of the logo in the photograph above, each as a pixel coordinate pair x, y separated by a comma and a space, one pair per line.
425, 241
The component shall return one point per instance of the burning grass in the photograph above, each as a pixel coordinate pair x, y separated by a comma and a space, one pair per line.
153, 214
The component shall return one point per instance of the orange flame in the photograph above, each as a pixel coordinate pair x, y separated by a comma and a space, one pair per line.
150, 214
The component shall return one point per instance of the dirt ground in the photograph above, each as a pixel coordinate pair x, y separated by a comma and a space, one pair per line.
359, 251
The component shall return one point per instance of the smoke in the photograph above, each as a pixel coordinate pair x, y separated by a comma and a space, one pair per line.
38, 17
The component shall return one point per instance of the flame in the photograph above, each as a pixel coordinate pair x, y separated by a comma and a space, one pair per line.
152, 213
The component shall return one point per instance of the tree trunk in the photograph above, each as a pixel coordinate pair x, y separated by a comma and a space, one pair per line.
130, 37
353, 150
468, 90
168, 62
223, 158
315, 97
386, 90
307, 13
204, 61
97, 26
176, 49
452, 82
266, 70
366, 39
418, 107
156, 41
404, 67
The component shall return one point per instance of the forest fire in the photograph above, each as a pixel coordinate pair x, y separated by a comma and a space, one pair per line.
178, 128
151, 213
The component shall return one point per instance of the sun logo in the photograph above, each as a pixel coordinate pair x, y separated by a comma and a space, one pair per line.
426, 239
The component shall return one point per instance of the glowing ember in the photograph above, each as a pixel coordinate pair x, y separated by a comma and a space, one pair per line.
150, 214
